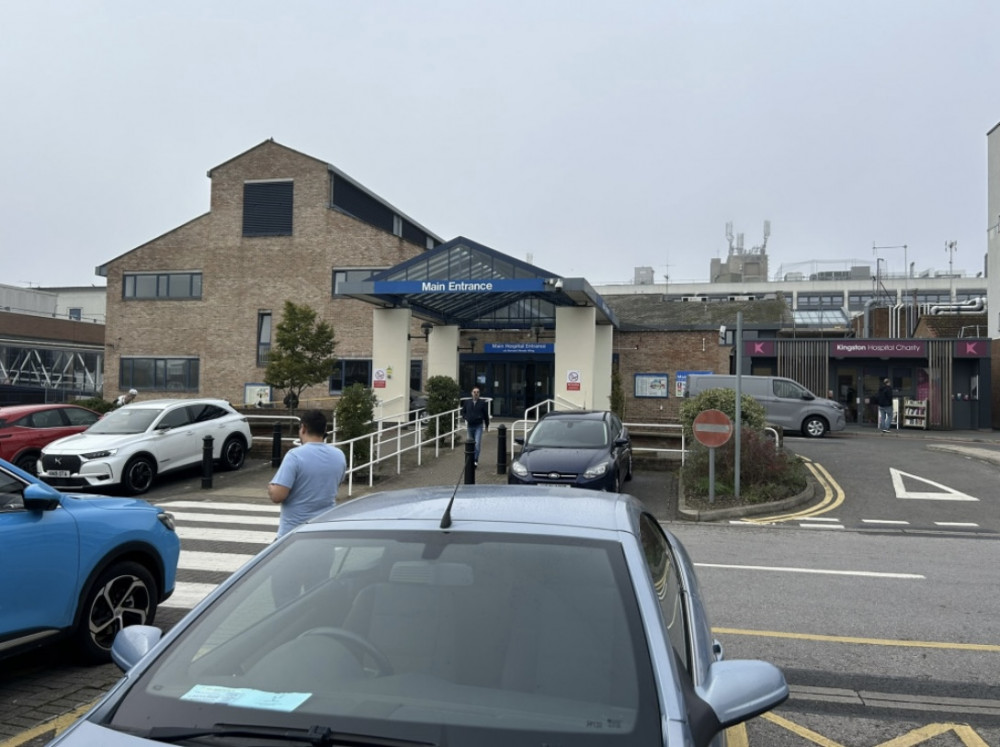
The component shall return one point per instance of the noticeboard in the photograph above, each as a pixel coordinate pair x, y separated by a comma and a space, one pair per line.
652, 385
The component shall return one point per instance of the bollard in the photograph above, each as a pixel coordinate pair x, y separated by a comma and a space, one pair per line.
276, 446
206, 462
470, 462
501, 449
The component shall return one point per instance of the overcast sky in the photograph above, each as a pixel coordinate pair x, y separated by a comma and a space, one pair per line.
589, 137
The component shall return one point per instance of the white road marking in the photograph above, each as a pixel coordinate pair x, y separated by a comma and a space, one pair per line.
944, 493
883, 521
224, 535
211, 561
955, 524
264, 507
187, 595
829, 572
820, 526
245, 520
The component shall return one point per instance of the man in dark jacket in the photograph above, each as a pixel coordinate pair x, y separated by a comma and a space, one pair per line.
476, 413
884, 401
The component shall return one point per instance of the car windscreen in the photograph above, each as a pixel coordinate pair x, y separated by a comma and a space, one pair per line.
569, 434
121, 422
458, 640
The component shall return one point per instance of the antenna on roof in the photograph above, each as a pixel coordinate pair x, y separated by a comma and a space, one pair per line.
446, 519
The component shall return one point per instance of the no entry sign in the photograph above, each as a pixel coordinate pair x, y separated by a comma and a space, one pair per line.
712, 428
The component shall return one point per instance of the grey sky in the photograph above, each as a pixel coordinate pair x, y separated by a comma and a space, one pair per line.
593, 136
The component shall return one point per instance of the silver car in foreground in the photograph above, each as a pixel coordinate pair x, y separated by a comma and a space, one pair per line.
130, 446
499, 615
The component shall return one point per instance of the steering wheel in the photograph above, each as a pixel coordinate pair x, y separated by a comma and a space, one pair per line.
358, 645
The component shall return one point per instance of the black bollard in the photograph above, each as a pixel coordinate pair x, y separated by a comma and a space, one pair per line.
206, 462
501, 449
470, 462
276, 446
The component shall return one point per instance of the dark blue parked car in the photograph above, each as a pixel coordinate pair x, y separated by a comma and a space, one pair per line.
80, 566
582, 449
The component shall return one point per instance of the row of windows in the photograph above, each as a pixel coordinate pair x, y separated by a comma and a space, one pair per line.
162, 285
268, 210
173, 285
182, 374
176, 374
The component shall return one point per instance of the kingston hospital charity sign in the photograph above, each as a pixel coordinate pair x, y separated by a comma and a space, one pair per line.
850, 348
491, 285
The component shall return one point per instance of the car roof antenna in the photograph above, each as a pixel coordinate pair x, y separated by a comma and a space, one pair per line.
446, 519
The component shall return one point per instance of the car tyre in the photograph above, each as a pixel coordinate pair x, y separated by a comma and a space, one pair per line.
123, 594
616, 482
28, 462
814, 427
138, 475
628, 470
234, 453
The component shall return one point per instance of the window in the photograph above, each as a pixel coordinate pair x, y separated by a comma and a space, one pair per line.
176, 374
660, 564
788, 390
263, 338
416, 374
162, 285
79, 416
353, 275
267, 208
75, 313
351, 371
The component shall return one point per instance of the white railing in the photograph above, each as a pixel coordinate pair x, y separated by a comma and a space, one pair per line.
388, 440
667, 427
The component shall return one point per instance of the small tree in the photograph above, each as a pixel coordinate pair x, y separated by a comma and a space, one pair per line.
617, 394
355, 412
443, 395
303, 352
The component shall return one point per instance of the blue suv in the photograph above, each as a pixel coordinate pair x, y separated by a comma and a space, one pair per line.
78, 566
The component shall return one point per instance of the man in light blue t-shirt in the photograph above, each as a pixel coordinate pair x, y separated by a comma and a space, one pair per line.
306, 483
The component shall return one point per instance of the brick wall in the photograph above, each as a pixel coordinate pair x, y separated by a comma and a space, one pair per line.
242, 276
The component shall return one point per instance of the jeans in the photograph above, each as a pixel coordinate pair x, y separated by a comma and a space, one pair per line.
884, 417
476, 434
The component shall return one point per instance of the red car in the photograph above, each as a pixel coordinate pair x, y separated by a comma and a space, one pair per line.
25, 429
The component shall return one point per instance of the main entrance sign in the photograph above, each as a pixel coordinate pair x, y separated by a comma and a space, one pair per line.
472, 286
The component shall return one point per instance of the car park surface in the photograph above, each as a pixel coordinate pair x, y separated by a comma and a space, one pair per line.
498, 615
584, 449
87, 565
25, 429
130, 446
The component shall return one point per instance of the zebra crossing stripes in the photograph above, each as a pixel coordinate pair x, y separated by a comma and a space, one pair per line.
245, 527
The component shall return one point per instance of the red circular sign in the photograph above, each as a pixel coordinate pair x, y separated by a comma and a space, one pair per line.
712, 428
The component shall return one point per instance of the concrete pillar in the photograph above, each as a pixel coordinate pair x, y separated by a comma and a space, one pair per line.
442, 352
391, 362
603, 334
574, 367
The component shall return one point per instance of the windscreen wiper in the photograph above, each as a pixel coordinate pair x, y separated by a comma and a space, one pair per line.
318, 736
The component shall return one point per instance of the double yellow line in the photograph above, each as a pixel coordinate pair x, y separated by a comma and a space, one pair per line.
833, 497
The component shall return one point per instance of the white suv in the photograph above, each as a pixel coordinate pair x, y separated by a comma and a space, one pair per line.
133, 444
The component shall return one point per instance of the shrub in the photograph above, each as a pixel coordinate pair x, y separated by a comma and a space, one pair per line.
443, 395
97, 404
751, 411
355, 412
766, 474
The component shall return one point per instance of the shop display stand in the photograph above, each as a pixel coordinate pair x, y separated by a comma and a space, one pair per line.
915, 413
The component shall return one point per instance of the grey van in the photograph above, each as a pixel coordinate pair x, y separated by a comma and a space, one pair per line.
786, 403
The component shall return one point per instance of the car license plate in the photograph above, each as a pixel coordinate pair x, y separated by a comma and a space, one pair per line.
59, 473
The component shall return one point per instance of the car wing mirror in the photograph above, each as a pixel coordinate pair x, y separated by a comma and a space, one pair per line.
739, 690
40, 497
808, 396
132, 643
621, 442
519, 440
